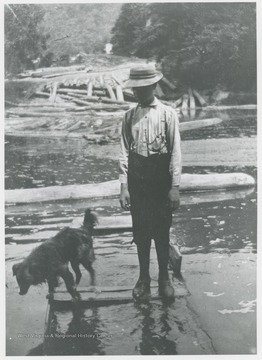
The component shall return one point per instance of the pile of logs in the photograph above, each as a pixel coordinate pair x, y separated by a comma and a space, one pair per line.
77, 99
190, 100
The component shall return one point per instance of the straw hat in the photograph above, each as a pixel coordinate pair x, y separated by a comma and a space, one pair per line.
143, 76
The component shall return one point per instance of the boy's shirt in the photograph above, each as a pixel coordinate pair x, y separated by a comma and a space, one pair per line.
151, 130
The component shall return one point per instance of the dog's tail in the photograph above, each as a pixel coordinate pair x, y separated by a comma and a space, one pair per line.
90, 219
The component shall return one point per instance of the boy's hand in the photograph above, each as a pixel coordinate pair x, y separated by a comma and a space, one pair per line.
124, 197
173, 197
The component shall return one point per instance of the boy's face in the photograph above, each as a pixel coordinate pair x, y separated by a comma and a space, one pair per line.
144, 94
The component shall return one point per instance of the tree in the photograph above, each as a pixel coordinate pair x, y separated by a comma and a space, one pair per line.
75, 28
199, 44
23, 41
131, 21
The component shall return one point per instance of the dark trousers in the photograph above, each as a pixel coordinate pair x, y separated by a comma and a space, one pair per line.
149, 182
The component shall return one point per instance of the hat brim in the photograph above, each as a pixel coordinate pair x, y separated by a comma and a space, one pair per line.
131, 83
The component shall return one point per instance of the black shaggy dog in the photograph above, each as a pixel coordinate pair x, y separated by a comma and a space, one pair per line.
50, 259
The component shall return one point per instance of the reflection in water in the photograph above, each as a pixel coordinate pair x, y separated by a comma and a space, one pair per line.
155, 331
81, 336
138, 329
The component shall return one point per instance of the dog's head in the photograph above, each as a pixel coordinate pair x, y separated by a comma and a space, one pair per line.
23, 276
90, 219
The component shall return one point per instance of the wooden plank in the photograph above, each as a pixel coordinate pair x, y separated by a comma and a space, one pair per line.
63, 300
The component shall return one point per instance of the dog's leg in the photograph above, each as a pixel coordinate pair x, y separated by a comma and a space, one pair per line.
89, 268
68, 278
51, 287
75, 267
52, 283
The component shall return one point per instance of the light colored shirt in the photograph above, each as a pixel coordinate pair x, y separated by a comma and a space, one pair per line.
151, 130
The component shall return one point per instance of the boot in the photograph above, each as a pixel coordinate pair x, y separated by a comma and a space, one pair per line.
165, 289
141, 290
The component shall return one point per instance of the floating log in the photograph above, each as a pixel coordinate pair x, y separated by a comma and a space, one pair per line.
192, 104
54, 70
32, 113
43, 108
110, 92
197, 124
111, 106
77, 125
184, 102
101, 81
119, 93
62, 125
186, 198
199, 98
70, 90
98, 99
90, 88
228, 107
117, 80
41, 93
158, 91
59, 74
192, 182
168, 83
99, 93
52, 97
178, 102
43, 105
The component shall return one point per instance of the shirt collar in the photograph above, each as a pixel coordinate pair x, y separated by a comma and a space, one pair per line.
154, 103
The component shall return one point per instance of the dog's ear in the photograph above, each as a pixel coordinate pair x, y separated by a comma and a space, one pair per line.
15, 268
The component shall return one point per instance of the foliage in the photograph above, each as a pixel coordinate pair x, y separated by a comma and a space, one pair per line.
200, 44
23, 41
54, 32
76, 28
128, 28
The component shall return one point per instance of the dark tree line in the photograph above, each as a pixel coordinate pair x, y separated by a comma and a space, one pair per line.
23, 42
202, 45
199, 44
55, 31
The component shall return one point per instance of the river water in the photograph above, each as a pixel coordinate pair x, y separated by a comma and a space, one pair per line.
220, 224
